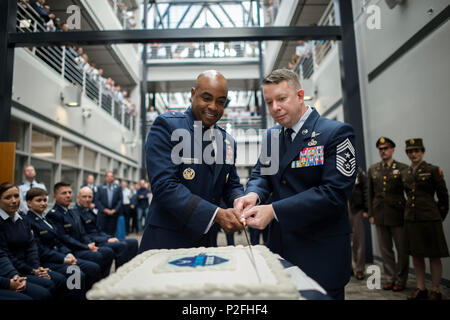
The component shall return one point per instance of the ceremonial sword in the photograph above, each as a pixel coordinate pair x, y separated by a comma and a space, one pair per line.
251, 254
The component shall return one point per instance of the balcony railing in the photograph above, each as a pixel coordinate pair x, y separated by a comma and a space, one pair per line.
238, 126
127, 18
63, 60
311, 60
248, 49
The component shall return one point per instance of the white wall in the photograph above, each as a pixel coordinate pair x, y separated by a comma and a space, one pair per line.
327, 81
272, 48
105, 18
409, 99
38, 87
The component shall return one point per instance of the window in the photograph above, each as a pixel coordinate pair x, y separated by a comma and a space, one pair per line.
18, 169
45, 173
43, 145
126, 174
70, 175
90, 157
115, 168
104, 164
70, 152
17, 133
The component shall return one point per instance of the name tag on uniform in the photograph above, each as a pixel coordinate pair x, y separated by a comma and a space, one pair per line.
88, 221
43, 232
190, 161
424, 174
67, 225
312, 156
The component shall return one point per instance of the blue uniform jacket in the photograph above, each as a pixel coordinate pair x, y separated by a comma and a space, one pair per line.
51, 248
7, 269
101, 198
16, 239
310, 192
69, 229
89, 221
185, 195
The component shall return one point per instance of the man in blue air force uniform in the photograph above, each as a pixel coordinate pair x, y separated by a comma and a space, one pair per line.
314, 178
124, 250
190, 164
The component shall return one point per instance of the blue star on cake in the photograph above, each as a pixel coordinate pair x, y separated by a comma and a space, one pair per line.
200, 260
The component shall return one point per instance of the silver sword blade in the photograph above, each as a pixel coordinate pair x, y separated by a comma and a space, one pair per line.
252, 257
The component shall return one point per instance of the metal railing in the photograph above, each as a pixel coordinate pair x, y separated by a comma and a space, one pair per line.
321, 48
228, 124
126, 21
247, 49
66, 62
312, 59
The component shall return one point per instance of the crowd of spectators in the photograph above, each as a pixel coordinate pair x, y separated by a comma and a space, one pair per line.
126, 17
38, 245
41, 13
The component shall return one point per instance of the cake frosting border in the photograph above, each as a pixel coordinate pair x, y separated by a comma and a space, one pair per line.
284, 289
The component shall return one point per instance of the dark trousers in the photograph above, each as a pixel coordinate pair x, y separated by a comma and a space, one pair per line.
107, 223
91, 271
126, 215
124, 250
12, 295
56, 285
70, 294
32, 291
337, 294
103, 257
255, 235
133, 220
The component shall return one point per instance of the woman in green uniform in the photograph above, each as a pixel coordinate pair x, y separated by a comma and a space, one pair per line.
423, 218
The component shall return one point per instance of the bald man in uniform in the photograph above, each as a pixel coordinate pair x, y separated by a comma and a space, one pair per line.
190, 165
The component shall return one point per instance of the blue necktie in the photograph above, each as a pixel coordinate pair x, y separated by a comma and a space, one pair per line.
109, 196
287, 138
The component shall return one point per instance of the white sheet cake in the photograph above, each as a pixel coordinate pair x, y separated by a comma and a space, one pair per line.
198, 273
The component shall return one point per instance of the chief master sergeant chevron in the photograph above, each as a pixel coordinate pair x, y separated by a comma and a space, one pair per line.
316, 173
188, 184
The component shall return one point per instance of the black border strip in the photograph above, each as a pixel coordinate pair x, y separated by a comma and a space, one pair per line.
53, 122
412, 42
332, 108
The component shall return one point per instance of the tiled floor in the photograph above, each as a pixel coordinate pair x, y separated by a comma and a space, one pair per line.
355, 289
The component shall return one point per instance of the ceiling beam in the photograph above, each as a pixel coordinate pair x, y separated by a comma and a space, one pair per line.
34, 39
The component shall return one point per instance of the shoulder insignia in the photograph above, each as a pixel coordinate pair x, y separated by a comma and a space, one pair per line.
345, 158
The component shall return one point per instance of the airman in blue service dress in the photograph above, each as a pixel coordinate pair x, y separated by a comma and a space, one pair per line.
53, 250
186, 195
316, 175
17, 241
69, 228
124, 250
8, 272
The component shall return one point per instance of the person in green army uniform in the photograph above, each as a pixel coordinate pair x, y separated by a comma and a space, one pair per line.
386, 207
423, 218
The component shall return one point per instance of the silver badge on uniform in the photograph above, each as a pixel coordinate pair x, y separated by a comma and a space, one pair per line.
345, 158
